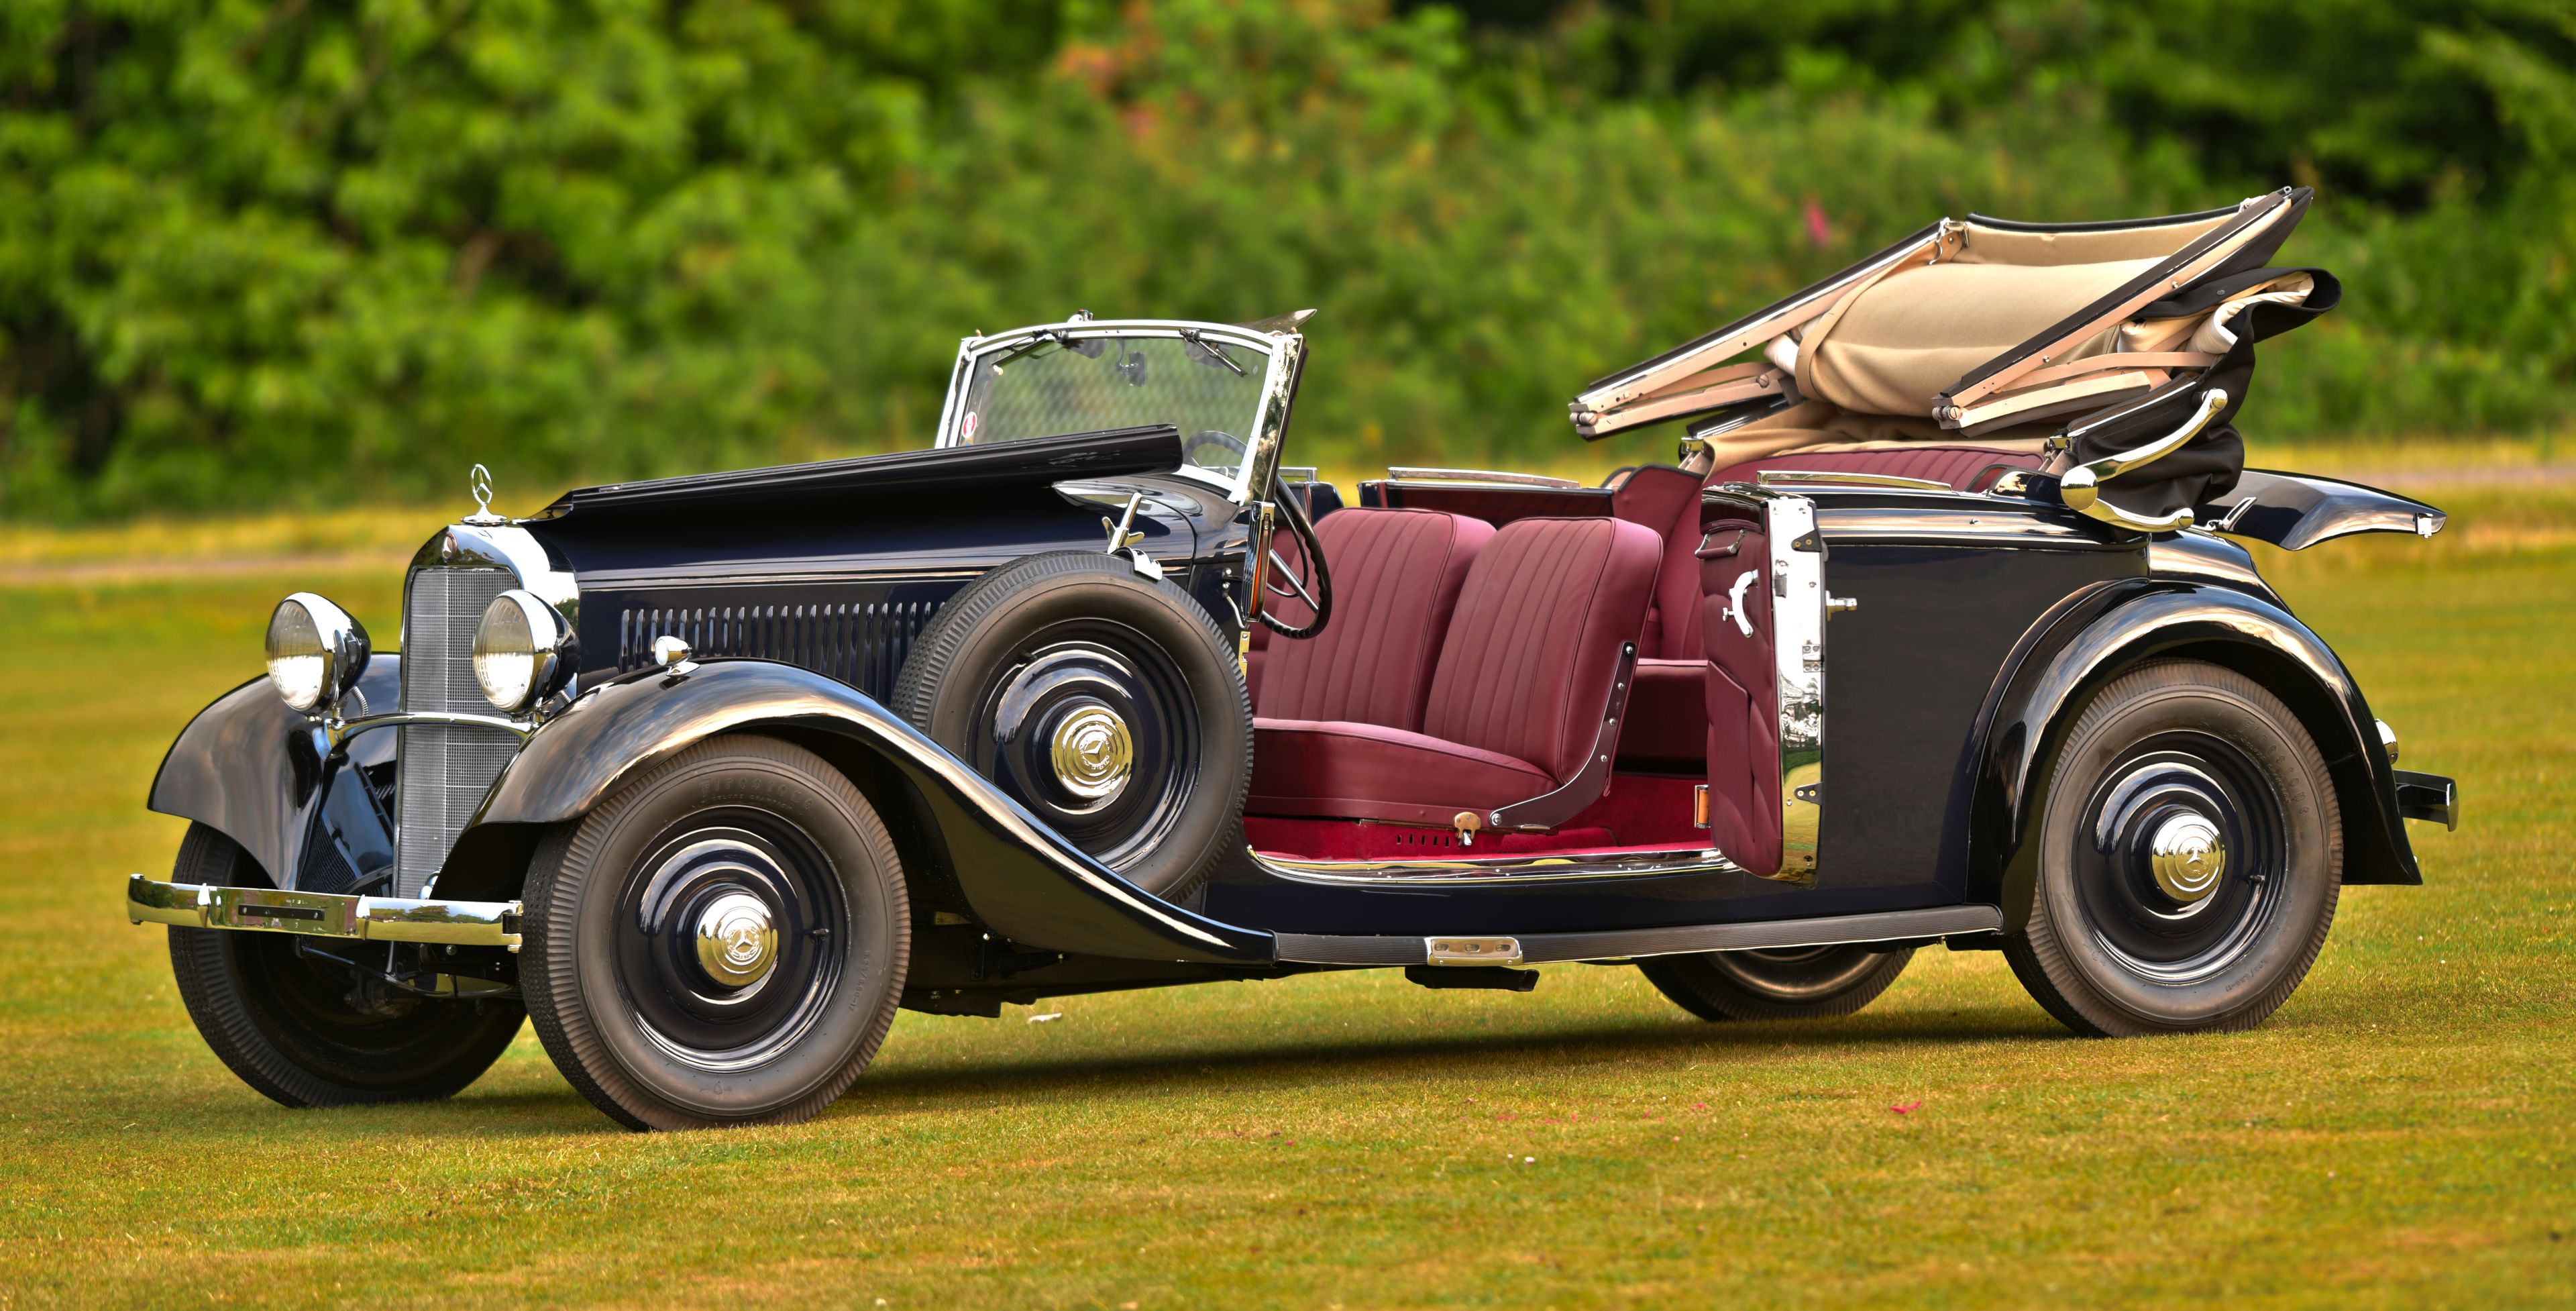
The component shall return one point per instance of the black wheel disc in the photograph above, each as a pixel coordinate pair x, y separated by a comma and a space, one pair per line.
1106, 703
2185, 858
724, 937
1091, 725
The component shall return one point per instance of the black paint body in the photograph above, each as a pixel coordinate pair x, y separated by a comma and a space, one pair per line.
1983, 622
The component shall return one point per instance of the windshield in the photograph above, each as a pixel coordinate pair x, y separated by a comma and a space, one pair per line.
1209, 389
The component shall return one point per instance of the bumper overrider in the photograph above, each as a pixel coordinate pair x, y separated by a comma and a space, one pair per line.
324, 914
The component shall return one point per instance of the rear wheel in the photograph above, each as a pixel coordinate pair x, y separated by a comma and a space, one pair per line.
722, 942
2190, 858
1788, 983
310, 1032
1105, 702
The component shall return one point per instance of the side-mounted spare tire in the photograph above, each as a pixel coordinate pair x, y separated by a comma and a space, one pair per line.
1107, 703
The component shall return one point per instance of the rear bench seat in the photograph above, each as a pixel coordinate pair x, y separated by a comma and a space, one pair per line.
1526, 655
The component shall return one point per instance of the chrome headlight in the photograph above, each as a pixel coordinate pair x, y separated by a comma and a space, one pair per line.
519, 650
315, 651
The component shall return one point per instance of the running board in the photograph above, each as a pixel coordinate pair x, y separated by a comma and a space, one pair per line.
1624, 944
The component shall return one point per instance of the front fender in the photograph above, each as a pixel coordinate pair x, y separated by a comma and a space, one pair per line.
1021, 879
253, 769
2091, 643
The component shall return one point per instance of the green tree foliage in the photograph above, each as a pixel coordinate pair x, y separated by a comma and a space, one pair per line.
339, 248
340, 245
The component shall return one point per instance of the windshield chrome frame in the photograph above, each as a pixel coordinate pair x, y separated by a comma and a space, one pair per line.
1283, 355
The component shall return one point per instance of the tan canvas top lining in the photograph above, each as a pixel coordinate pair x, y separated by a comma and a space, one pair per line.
1987, 245
1891, 347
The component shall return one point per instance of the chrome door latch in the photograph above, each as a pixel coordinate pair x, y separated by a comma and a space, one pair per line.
1840, 605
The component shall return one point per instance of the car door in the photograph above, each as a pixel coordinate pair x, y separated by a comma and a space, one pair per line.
1762, 613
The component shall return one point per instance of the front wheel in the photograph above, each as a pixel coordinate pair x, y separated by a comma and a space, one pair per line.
2190, 857
721, 942
308, 1031
1108, 704
1791, 983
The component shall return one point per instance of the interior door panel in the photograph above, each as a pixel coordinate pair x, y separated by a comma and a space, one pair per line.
1744, 810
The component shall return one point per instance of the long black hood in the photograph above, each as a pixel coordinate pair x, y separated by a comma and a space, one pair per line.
903, 475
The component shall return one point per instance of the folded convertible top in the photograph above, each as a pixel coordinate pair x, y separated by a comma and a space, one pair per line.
1985, 325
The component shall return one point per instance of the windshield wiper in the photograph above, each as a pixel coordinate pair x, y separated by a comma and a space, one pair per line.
1215, 352
1030, 347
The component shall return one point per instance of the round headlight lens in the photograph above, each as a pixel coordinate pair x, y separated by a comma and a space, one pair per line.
518, 650
315, 651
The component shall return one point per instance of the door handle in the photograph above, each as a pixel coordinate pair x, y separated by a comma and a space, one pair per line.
1735, 601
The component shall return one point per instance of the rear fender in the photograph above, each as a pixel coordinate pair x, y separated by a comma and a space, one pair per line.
2295, 511
1019, 878
2109, 632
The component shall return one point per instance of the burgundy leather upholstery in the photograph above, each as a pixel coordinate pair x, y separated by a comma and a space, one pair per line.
1396, 575
1667, 730
1743, 708
1369, 771
1955, 465
1667, 714
1532, 648
1654, 495
1515, 700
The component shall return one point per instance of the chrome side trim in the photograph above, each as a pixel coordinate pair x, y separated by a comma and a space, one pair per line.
1798, 647
1498, 870
1796, 477
1410, 473
323, 914
1631, 944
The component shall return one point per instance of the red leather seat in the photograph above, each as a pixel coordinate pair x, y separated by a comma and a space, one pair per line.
1396, 575
1515, 700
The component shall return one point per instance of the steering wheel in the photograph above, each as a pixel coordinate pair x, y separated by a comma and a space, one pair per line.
1227, 441
1316, 588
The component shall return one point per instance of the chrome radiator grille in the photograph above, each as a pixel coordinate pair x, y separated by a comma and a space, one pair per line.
445, 769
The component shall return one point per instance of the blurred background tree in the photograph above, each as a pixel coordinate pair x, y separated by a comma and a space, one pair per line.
298, 250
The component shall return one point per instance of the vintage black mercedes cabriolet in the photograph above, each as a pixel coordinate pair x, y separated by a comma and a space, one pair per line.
1934, 633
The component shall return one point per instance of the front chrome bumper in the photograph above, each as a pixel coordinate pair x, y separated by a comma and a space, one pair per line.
324, 914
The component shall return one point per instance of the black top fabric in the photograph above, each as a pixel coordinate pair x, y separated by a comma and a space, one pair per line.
2207, 467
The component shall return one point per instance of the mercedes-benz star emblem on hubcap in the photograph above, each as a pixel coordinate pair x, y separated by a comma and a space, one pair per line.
1091, 753
2188, 856
737, 943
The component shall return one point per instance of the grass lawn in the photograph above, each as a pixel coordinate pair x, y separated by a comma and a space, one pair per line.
2400, 1133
